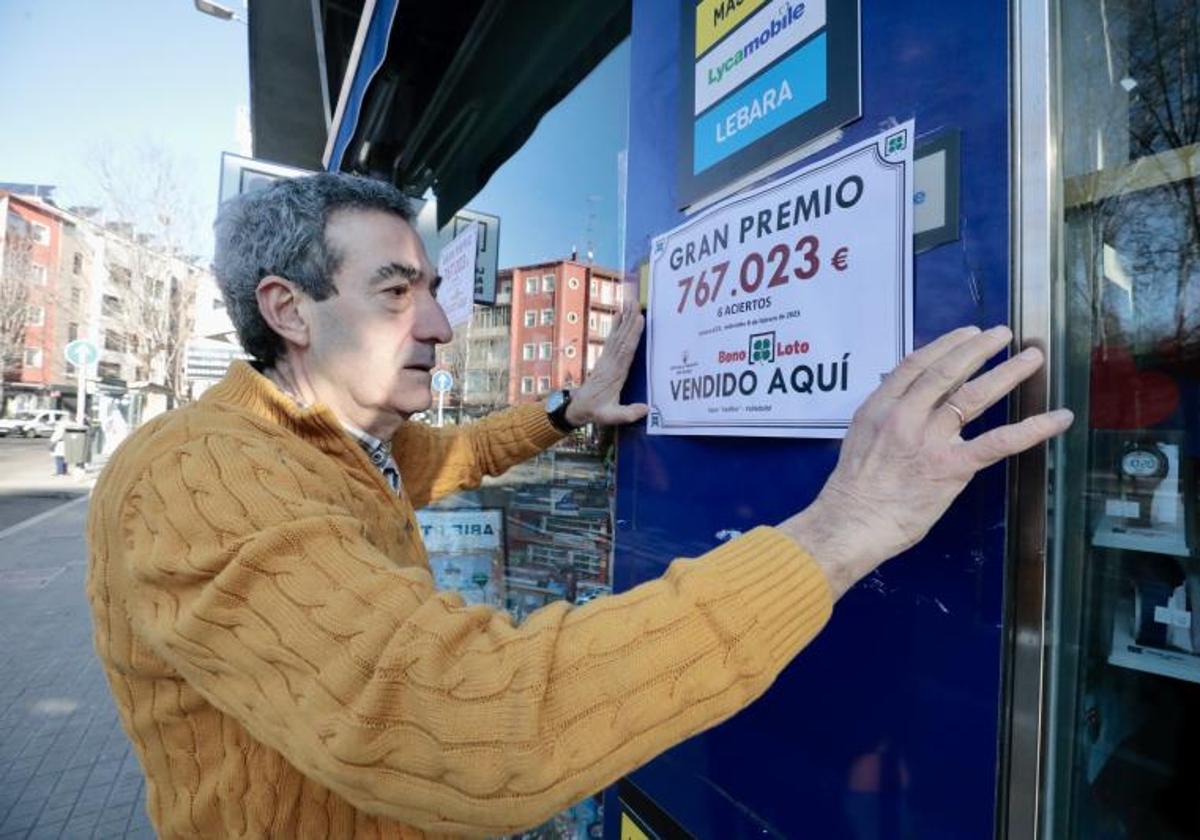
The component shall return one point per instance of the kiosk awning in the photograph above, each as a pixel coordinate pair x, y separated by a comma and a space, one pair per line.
423, 94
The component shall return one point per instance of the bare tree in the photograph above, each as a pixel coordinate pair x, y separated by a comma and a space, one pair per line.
150, 209
16, 285
453, 357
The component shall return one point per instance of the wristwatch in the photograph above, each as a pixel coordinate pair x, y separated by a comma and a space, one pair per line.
1140, 469
556, 411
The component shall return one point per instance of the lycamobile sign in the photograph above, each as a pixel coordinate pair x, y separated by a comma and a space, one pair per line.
766, 36
761, 79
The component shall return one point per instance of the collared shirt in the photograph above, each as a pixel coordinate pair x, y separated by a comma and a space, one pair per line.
380, 454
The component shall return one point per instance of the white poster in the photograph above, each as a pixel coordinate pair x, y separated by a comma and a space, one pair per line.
466, 552
456, 265
776, 312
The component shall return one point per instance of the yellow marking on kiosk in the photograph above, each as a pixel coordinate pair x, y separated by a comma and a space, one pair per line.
630, 831
716, 18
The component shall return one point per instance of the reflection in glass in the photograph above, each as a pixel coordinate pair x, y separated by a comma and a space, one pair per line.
1124, 708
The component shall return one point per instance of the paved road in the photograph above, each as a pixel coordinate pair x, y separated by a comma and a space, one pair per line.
27, 484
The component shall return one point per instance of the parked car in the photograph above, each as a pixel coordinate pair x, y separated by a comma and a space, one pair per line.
38, 423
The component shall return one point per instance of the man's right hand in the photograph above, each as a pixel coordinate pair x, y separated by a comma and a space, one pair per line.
903, 460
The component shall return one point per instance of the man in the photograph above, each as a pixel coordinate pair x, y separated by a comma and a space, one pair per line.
58, 445
263, 603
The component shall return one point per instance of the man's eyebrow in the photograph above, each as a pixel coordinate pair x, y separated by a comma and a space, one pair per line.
436, 283
394, 269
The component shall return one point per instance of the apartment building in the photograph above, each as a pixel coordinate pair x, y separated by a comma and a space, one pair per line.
562, 312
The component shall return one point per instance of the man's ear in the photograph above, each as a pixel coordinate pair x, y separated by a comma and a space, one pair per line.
279, 304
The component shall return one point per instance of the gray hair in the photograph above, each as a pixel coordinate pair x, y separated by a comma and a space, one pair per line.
280, 230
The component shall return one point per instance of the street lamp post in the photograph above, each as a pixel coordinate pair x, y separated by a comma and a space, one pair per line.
217, 10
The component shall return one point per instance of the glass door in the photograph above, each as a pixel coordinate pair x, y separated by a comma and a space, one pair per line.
1122, 710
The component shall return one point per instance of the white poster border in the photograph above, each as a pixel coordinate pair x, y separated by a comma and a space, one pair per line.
904, 218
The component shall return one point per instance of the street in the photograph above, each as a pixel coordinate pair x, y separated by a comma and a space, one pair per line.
66, 767
27, 483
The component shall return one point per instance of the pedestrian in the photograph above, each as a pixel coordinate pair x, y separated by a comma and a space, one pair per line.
265, 610
58, 446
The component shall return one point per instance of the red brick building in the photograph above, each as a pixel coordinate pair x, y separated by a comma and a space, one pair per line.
33, 249
561, 313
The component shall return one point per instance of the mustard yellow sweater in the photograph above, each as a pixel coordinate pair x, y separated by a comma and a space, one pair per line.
284, 666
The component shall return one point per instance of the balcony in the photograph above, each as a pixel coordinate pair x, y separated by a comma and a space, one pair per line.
496, 397
481, 333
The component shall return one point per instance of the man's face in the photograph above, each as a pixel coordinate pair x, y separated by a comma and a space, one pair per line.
375, 338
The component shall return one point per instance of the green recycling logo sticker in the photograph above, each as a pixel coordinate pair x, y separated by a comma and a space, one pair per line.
762, 348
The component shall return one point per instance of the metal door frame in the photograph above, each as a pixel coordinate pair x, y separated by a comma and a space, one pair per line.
1036, 229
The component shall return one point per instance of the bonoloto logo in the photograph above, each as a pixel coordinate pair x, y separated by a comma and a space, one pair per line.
762, 348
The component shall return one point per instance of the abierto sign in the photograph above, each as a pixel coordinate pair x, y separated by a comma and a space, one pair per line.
776, 312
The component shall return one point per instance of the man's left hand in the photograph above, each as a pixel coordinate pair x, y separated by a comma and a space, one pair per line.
598, 399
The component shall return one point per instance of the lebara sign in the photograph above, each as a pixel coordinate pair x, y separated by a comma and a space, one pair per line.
761, 79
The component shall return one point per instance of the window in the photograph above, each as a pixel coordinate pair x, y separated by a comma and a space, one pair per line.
530, 317
77, 263
37, 273
592, 321
543, 384
37, 316
114, 341
547, 316
110, 306
33, 357
573, 282
526, 384
603, 325
109, 370
592, 286
72, 332
569, 352
132, 343
530, 285
547, 282
606, 292
506, 287
572, 317
40, 233
527, 351
546, 350
121, 276
76, 296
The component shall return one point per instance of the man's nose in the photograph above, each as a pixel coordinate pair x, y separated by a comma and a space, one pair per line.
432, 324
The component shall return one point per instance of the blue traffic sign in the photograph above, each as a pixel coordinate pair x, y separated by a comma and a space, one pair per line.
82, 353
442, 381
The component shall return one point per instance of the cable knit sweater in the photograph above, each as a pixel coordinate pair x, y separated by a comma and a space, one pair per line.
284, 666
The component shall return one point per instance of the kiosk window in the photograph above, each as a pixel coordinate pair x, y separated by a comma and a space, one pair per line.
1124, 680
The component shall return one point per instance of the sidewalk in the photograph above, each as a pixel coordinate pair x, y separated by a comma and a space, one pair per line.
66, 768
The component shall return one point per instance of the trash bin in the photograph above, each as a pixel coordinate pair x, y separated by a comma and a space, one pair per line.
75, 441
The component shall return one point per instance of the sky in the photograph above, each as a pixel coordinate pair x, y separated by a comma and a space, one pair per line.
78, 77
542, 192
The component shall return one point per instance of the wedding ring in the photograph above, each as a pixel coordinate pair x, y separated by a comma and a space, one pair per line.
962, 418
